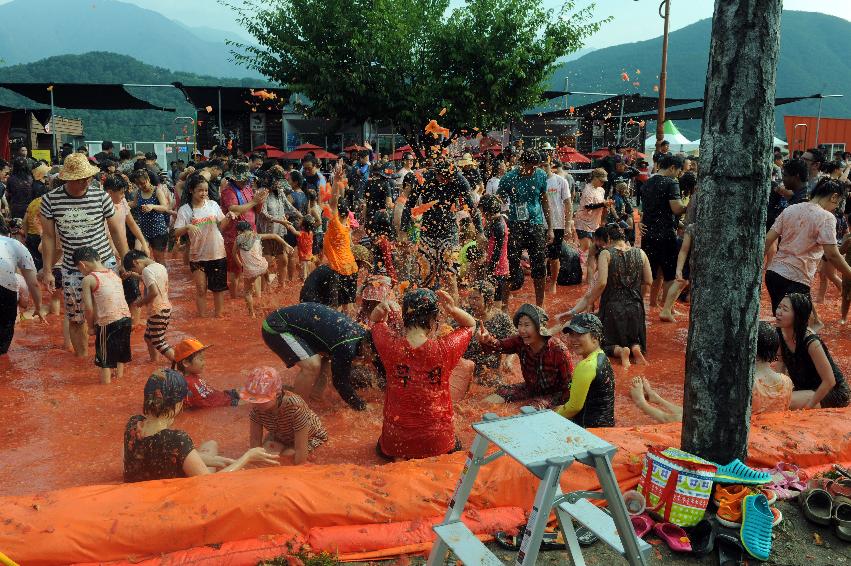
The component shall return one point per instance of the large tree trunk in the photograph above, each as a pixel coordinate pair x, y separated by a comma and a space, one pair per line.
727, 256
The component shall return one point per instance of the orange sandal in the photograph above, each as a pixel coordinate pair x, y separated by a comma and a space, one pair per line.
730, 514
737, 493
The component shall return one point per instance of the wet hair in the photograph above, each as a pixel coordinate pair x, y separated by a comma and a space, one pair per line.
802, 308
601, 233
827, 187
796, 168
131, 256
296, 178
140, 173
311, 194
614, 233
214, 163
243, 226
668, 161
106, 145
420, 320
342, 208
125, 154
490, 204
829, 167
485, 289
767, 342
21, 166
85, 253
308, 223
194, 181
620, 186
688, 182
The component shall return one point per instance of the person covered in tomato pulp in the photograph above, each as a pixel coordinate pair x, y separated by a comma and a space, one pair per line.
418, 409
190, 361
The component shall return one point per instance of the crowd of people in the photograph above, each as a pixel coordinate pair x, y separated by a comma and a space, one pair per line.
406, 273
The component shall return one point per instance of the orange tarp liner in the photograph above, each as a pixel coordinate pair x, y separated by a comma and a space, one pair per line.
137, 521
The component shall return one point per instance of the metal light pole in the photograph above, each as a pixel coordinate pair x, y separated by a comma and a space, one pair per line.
818, 119
53, 124
663, 75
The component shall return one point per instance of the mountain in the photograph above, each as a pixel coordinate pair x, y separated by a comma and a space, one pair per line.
35, 29
102, 67
814, 59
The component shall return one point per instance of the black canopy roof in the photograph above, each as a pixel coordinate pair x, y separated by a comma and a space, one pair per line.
696, 113
82, 96
632, 104
234, 98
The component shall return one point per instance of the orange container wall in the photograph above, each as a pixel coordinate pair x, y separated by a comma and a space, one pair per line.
831, 131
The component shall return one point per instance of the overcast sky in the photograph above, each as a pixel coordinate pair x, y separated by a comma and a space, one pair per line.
633, 20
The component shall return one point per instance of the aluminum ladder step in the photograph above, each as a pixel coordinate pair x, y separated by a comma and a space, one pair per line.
466, 546
601, 524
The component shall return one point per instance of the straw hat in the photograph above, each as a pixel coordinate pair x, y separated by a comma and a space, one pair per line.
466, 159
76, 166
39, 172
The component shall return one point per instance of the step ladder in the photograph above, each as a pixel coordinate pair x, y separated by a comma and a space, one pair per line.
546, 444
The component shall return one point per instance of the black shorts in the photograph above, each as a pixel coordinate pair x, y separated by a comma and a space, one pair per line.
554, 249
662, 255
112, 343
346, 287
159, 243
289, 347
778, 287
216, 271
584, 234
291, 239
532, 238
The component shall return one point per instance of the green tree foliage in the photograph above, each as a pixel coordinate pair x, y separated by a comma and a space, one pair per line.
405, 60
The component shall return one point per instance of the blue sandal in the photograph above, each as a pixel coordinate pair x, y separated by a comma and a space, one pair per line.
737, 473
757, 519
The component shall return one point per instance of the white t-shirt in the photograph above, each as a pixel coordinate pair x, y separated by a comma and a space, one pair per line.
804, 229
558, 191
400, 177
208, 244
13, 256
490, 189
156, 275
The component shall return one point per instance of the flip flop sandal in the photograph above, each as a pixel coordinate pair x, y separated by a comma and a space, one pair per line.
756, 526
778, 517
842, 470
738, 472
729, 548
817, 505
703, 537
842, 518
840, 487
585, 536
676, 538
726, 494
642, 524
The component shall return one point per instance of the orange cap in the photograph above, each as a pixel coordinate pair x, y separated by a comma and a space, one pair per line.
187, 347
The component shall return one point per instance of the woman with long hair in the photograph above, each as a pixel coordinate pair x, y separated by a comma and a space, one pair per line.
817, 380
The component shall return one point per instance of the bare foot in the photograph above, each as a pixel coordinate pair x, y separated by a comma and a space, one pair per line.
649, 391
624, 355
666, 316
637, 391
638, 355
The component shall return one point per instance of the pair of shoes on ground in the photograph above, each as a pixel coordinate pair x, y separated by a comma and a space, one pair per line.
674, 536
748, 510
822, 503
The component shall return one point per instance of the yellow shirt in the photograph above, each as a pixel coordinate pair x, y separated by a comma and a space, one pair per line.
33, 225
583, 374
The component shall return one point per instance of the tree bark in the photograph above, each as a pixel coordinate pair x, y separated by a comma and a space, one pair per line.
729, 239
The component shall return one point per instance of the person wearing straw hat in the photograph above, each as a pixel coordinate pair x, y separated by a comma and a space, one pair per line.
470, 170
78, 214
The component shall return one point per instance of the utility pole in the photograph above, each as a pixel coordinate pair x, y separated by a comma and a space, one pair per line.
663, 74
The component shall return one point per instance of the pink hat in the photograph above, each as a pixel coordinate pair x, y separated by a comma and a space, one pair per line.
377, 288
353, 223
263, 385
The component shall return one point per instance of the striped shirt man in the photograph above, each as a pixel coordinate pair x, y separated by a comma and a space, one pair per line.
80, 221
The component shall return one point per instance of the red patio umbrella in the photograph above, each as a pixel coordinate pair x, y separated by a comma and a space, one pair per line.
274, 153
265, 147
306, 148
353, 147
602, 152
400, 152
569, 154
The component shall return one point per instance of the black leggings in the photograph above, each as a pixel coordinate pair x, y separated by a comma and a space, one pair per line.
8, 316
